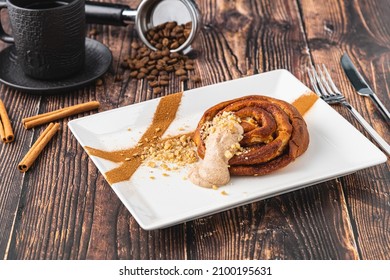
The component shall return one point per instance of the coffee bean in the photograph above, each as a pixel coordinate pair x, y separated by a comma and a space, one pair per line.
134, 46
178, 28
166, 32
157, 90
151, 78
174, 45
99, 82
144, 70
189, 67
153, 83
178, 66
195, 79
133, 74
139, 65
183, 78
188, 25
161, 61
141, 76
180, 72
165, 52
169, 68
182, 40
155, 55
174, 55
171, 24
165, 42
187, 32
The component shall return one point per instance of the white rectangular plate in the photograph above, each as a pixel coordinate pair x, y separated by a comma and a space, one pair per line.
336, 148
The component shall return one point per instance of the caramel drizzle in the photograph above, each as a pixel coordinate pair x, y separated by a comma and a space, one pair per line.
163, 117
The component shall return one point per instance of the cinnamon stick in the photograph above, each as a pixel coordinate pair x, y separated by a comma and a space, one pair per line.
6, 132
40, 119
38, 146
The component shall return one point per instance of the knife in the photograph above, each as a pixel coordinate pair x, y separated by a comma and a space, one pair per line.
361, 85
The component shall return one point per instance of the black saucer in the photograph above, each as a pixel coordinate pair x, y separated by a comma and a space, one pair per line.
97, 61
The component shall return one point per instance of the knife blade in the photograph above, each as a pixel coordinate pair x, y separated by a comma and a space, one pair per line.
361, 86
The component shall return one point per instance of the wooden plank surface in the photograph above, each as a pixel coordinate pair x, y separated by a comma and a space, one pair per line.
64, 209
362, 30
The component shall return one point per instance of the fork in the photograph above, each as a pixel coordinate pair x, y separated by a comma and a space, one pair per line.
325, 88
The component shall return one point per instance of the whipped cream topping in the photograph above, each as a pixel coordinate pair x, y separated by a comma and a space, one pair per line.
221, 136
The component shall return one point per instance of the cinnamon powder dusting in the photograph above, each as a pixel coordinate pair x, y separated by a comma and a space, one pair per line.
163, 117
304, 102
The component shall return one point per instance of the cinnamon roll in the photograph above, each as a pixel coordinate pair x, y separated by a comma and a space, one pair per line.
275, 134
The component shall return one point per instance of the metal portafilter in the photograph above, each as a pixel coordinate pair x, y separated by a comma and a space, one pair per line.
149, 14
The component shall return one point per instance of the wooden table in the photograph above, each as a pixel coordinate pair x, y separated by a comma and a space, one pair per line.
64, 209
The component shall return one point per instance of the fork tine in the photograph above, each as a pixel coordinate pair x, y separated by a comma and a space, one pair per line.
313, 82
324, 80
334, 88
319, 82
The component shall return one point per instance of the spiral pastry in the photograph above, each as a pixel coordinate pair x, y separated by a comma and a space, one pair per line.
275, 134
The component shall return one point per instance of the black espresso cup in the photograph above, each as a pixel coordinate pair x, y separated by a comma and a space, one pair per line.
49, 36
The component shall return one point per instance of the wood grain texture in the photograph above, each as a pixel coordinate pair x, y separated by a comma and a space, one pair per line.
361, 30
64, 209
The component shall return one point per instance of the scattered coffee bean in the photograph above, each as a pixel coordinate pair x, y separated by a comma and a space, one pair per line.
133, 74
135, 46
151, 78
183, 78
140, 76
163, 82
157, 90
189, 67
99, 82
164, 77
195, 79
154, 84
180, 72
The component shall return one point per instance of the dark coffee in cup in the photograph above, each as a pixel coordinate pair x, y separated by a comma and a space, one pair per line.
49, 36
45, 5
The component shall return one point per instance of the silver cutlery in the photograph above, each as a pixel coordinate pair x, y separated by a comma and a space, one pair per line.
325, 88
361, 85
